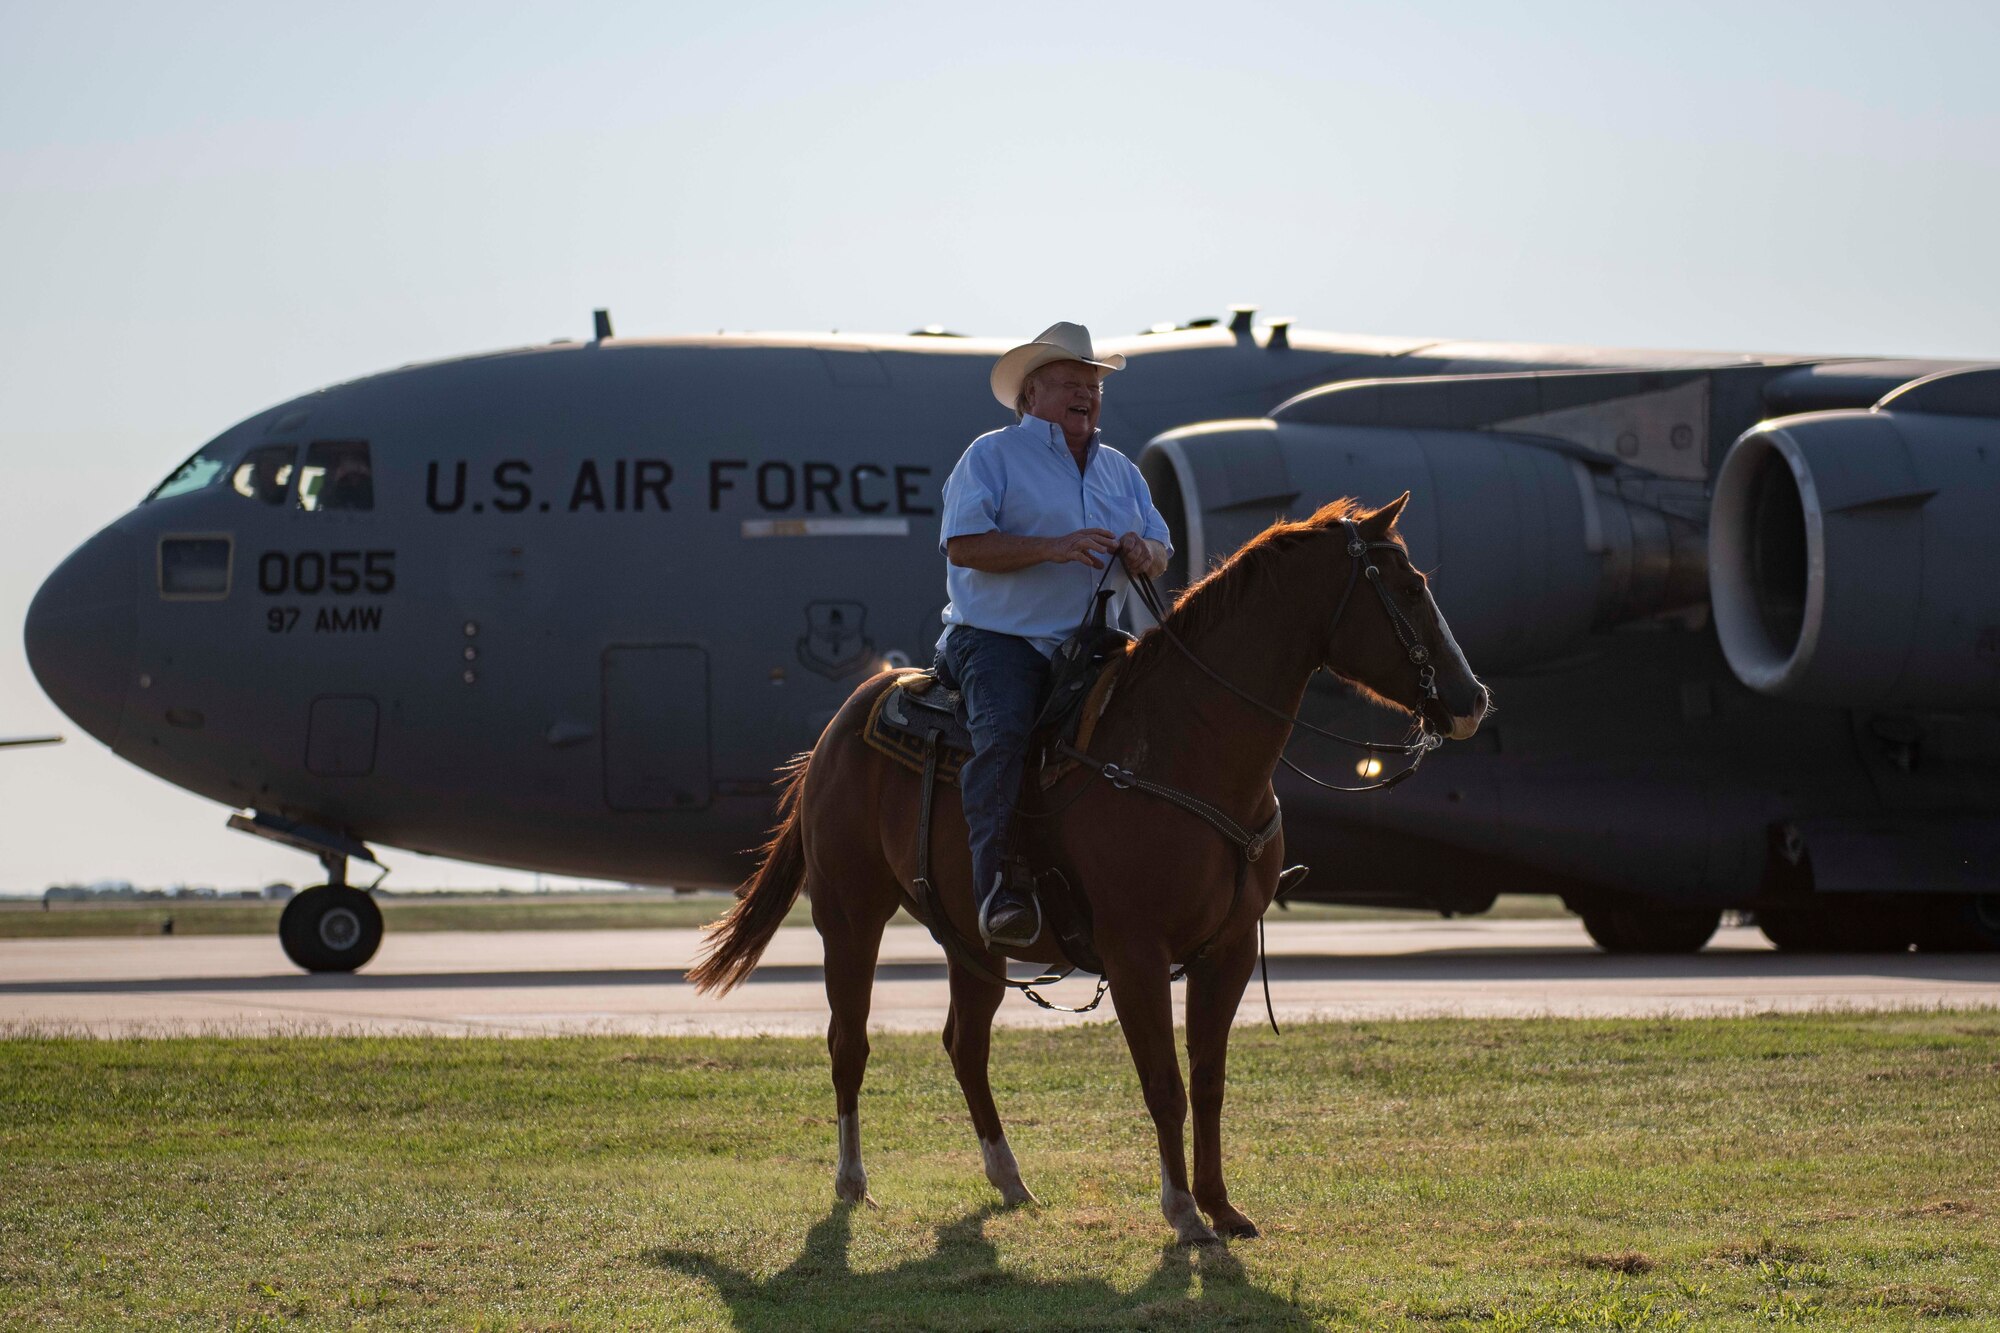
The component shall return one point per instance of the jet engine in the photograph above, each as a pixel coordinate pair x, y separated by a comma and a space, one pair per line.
1853, 558
1534, 544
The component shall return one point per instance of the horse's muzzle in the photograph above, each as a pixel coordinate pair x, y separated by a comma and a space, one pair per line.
1465, 723
1455, 725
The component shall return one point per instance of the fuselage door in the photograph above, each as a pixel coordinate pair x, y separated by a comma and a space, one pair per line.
656, 727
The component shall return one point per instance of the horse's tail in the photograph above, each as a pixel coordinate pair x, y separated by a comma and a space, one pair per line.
737, 940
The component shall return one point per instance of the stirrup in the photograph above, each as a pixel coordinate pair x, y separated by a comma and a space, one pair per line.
1008, 942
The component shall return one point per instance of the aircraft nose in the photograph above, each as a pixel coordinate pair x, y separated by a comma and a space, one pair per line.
79, 633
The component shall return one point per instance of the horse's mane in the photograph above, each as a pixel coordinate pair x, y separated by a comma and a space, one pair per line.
1223, 589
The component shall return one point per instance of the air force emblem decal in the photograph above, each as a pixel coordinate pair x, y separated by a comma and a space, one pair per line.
836, 642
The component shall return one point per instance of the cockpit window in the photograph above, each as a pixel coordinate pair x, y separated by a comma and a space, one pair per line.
204, 469
265, 473
337, 475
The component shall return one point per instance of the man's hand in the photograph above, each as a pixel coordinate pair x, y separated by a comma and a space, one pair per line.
1082, 546
1143, 559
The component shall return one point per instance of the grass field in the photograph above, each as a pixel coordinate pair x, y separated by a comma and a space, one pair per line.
1825, 1171
515, 911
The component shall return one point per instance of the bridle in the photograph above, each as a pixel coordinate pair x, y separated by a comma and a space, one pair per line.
1406, 634
1363, 566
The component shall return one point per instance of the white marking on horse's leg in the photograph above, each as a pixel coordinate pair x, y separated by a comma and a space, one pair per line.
850, 1180
1004, 1172
1182, 1215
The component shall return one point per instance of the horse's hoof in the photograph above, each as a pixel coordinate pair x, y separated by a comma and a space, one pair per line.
1004, 1173
1230, 1223
1200, 1237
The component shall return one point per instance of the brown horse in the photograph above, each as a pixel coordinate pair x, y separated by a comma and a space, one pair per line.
1164, 886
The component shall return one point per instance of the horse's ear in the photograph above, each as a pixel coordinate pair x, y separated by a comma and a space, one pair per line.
1383, 521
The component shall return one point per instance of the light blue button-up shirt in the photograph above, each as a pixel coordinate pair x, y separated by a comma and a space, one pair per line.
1023, 480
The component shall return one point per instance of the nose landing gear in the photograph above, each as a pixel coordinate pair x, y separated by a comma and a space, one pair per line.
331, 927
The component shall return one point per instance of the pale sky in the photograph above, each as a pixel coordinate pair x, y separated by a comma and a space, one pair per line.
205, 209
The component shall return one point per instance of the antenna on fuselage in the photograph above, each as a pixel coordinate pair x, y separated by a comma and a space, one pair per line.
602, 319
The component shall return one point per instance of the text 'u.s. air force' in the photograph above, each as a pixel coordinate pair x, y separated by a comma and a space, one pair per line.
647, 485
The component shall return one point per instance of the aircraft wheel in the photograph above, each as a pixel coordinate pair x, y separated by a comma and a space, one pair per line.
1838, 927
1651, 927
331, 928
1961, 923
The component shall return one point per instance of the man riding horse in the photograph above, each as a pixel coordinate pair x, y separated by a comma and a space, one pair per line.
1031, 512
1169, 827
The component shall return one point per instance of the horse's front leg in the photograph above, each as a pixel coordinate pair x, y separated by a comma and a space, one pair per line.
850, 927
1143, 996
968, 1040
1215, 988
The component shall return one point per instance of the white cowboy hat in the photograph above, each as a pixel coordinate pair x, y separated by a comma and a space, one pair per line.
1057, 342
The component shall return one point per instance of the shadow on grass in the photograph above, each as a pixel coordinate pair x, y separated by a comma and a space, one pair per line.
960, 1284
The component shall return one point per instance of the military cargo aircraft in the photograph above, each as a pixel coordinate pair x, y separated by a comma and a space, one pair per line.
566, 607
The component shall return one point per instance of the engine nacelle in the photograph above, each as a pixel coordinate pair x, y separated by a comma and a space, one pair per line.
1853, 559
1533, 547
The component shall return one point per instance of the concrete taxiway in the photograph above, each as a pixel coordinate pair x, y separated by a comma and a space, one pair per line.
530, 983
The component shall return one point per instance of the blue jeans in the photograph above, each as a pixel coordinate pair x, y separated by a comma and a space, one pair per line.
1001, 677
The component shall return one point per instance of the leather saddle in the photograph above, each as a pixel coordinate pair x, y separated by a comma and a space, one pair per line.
909, 713
918, 706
